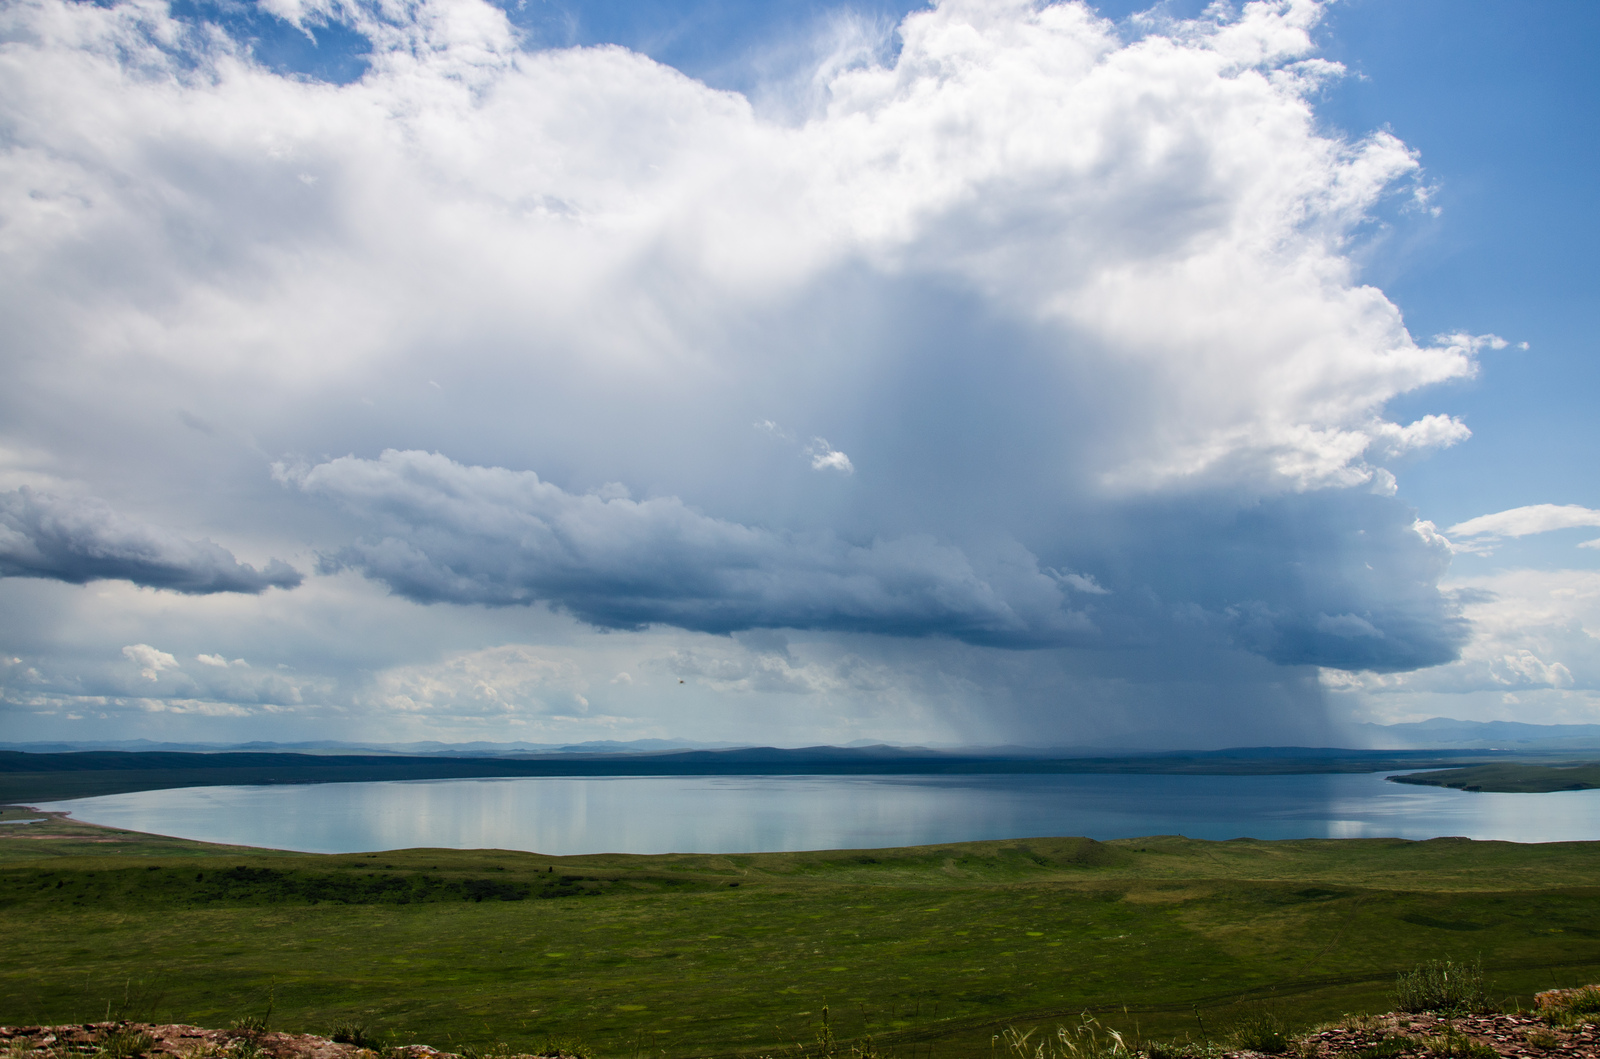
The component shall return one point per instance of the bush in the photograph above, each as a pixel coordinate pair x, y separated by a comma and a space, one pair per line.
251, 1025
355, 1033
1442, 985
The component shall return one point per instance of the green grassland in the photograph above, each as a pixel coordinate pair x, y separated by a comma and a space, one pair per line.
930, 950
1512, 777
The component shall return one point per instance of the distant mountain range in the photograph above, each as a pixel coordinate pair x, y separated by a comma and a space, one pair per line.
1446, 733
329, 746
1437, 733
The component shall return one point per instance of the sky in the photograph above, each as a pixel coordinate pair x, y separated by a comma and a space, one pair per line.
983, 372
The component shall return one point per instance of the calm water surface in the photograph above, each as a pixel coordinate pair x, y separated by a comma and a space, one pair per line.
733, 814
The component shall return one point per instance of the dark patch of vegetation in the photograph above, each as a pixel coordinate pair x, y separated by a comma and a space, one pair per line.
1444, 924
1512, 777
358, 1034
245, 884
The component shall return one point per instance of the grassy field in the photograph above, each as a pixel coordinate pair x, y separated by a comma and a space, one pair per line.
1513, 777
929, 950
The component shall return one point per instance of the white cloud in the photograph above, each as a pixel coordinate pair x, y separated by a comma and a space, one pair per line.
1037, 281
1523, 521
1429, 432
824, 457
149, 660
1535, 637
499, 681
1018, 149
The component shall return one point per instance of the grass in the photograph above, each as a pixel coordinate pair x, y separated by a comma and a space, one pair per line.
1086, 1039
1570, 1007
124, 1044
1262, 1030
931, 951
1444, 986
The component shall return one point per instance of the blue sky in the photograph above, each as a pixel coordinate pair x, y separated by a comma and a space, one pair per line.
985, 372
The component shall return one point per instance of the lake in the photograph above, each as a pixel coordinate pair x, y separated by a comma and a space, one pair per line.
735, 814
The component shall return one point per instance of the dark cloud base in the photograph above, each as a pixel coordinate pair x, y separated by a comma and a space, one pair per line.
78, 540
1338, 578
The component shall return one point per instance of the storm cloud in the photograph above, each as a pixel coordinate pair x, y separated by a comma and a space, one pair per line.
498, 537
1344, 581
1020, 365
81, 539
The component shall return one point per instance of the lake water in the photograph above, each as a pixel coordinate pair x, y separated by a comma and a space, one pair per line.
734, 814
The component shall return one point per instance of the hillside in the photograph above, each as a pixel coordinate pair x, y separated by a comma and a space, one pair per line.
691, 955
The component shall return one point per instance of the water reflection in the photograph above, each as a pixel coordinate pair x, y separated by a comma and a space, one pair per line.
731, 814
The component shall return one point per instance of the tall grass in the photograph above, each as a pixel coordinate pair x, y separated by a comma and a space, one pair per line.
1261, 1031
1444, 986
123, 1044
1087, 1040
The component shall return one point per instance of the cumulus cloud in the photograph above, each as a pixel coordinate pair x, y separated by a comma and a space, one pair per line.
81, 539
149, 660
824, 457
1073, 325
140, 678
1533, 650
1185, 262
507, 681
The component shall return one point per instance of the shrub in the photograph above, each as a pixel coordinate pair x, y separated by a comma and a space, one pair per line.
1442, 985
251, 1025
355, 1033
